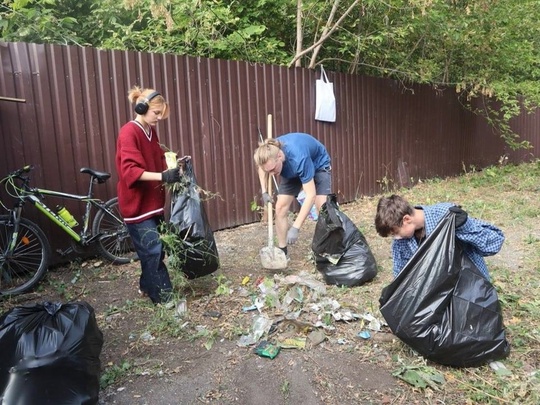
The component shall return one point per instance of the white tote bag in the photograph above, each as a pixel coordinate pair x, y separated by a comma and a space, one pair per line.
325, 101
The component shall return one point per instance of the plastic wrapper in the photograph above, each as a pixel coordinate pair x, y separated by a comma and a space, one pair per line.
342, 254
195, 249
313, 215
50, 355
442, 307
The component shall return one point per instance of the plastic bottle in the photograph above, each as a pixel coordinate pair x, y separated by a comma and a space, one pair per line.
66, 216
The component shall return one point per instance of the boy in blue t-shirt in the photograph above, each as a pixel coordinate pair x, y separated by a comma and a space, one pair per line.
303, 163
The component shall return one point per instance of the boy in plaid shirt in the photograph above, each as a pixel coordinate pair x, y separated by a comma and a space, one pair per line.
410, 225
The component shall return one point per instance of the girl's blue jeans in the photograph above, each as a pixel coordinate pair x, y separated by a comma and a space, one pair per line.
154, 280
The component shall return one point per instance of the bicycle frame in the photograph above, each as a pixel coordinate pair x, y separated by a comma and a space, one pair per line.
35, 196
83, 237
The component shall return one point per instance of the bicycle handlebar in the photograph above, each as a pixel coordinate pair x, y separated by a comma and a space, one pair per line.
25, 169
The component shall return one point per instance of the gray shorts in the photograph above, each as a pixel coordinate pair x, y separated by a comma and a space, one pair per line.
323, 183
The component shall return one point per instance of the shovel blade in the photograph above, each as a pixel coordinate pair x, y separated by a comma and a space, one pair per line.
273, 258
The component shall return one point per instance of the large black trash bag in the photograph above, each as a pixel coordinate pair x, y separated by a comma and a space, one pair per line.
50, 355
442, 306
196, 248
341, 252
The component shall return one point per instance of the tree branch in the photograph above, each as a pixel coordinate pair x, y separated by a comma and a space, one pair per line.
324, 37
325, 31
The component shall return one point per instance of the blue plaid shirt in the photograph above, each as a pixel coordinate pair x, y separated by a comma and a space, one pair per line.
481, 239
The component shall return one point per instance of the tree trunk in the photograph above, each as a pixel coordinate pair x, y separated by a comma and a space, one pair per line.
299, 33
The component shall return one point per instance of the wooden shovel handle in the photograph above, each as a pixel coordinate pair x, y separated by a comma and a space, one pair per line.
270, 210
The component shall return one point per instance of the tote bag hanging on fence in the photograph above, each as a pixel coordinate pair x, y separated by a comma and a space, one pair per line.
325, 101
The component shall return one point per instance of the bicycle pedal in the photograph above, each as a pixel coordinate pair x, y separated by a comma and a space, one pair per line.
64, 252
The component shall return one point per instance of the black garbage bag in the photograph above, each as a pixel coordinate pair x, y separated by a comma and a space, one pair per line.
50, 355
193, 249
442, 307
342, 254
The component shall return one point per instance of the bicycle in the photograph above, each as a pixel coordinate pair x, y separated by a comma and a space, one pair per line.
25, 251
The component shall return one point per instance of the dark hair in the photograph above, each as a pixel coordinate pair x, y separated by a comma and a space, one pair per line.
390, 213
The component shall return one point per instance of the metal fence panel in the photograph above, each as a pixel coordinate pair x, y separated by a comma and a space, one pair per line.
75, 101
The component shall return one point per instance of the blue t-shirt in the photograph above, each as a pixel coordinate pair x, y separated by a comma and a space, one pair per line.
304, 155
481, 239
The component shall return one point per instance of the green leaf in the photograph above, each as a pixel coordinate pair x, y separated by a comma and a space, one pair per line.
420, 376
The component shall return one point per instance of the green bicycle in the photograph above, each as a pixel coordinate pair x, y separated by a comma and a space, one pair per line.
25, 251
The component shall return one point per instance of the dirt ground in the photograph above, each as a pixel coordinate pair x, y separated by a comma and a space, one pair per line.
202, 361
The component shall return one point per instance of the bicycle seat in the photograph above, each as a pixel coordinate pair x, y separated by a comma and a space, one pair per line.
100, 176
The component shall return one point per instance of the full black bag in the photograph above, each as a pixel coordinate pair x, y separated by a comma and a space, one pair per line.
341, 252
196, 251
441, 305
50, 354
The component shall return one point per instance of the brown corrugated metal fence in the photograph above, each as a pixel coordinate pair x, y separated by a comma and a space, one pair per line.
75, 100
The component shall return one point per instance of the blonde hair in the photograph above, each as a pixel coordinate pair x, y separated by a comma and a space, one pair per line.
139, 95
267, 150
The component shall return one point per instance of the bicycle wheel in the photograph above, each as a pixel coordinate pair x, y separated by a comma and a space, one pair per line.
114, 242
24, 266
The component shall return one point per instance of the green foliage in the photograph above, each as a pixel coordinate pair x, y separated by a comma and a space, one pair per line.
113, 373
420, 376
486, 50
224, 285
209, 335
179, 249
49, 21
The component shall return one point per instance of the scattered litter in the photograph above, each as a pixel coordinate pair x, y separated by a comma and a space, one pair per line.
213, 314
147, 336
245, 280
321, 324
374, 323
499, 368
342, 341
261, 325
266, 349
316, 337
294, 294
290, 326
181, 307
293, 343
257, 304
304, 279
302, 309
344, 315
364, 334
